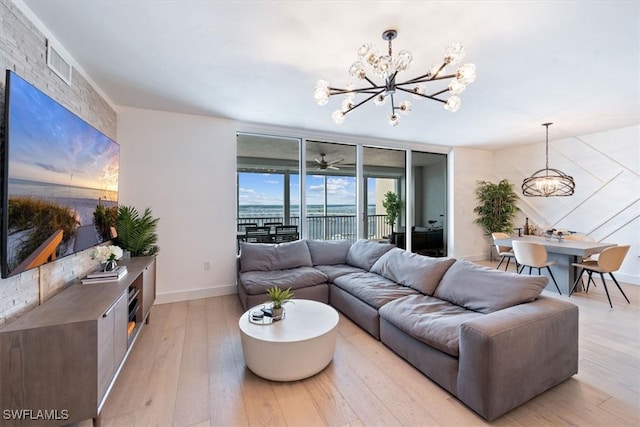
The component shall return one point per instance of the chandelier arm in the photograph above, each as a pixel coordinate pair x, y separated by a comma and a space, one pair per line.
425, 78
440, 92
339, 91
372, 83
420, 94
362, 102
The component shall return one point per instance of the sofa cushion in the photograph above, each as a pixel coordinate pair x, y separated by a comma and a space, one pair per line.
430, 320
364, 253
337, 270
419, 272
328, 252
257, 282
266, 257
371, 288
485, 289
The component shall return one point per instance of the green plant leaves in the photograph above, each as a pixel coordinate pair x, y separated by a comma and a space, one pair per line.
393, 205
497, 207
279, 296
136, 233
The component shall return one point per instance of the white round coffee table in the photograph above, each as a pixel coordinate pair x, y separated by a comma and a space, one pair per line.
297, 347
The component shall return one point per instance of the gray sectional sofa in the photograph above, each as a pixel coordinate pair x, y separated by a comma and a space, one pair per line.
488, 337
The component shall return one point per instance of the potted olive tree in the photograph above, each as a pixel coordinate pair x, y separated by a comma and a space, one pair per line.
497, 206
393, 205
279, 297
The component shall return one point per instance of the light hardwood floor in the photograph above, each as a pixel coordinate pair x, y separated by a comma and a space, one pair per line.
187, 370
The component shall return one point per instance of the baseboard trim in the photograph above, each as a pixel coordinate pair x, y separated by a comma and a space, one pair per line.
626, 278
192, 294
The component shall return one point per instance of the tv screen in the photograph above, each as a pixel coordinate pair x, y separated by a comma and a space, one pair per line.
59, 180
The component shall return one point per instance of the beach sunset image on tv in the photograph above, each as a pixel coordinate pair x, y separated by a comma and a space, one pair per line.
61, 180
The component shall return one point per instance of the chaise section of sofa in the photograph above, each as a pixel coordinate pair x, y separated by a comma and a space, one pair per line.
482, 330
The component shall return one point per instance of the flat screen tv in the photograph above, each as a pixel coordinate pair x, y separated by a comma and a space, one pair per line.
59, 180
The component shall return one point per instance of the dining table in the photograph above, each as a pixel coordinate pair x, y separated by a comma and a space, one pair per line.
564, 253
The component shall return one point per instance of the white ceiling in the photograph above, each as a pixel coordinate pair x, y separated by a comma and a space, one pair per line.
574, 63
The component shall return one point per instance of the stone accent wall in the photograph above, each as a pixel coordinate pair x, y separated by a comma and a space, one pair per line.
23, 49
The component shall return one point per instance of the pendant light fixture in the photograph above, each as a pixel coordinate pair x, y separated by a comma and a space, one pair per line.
548, 182
387, 67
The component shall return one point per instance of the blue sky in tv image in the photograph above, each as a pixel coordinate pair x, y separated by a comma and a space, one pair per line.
49, 144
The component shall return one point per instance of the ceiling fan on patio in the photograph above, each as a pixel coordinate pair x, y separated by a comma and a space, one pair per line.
323, 164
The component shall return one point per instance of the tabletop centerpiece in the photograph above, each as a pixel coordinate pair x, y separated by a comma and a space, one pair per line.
108, 255
279, 297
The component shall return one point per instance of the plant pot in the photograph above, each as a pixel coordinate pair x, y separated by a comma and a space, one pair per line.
277, 313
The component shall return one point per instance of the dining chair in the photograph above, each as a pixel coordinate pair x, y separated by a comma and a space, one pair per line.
242, 226
533, 255
504, 252
286, 233
609, 261
579, 237
272, 225
258, 235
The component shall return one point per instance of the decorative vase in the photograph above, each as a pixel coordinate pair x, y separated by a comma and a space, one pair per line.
110, 265
277, 313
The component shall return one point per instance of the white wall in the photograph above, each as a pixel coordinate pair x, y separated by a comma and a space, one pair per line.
466, 167
606, 203
183, 167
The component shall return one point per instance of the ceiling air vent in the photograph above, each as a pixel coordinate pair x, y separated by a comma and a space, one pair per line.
58, 64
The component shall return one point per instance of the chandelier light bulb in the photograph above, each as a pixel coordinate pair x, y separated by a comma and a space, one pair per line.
417, 91
456, 87
454, 53
357, 70
368, 53
378, 76
321, 92
380, 100
548, 185
405, 107
403, 60
346, 105
466, 74
452, 104
383, 66
338, 117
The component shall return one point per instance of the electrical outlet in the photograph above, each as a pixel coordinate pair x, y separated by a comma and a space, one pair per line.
207, 265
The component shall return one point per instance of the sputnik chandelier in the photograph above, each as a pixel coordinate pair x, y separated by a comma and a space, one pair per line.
548, 182
387, 68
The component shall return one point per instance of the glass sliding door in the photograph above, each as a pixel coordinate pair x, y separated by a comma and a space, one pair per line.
268, 190
428, 190
337, 203
330, 191
383, 172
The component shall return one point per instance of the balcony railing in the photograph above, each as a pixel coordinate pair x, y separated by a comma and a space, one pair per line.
330, 227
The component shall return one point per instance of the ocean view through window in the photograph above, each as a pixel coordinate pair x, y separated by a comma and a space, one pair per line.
335, 190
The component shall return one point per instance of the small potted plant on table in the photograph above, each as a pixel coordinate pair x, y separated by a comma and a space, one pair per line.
279, 297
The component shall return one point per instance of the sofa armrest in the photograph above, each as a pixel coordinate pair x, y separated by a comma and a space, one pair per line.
510, 356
